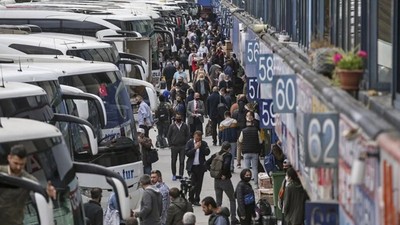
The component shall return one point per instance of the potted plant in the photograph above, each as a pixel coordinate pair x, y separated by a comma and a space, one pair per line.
320, 50
349, 68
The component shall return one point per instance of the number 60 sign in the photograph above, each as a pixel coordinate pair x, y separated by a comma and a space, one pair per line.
321, 139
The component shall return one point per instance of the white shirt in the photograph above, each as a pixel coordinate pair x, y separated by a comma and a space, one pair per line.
178, 125
196, 160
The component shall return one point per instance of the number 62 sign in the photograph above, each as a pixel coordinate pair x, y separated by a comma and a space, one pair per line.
321, 139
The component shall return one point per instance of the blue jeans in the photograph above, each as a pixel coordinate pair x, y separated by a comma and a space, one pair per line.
252, 159
147, 169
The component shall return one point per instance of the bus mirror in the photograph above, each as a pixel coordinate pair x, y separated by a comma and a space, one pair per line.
128, 68
45, 209
123, 200
88, 139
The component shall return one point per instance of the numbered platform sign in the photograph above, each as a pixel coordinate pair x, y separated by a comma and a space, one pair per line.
252, 51
284, 93
321, 139
253, 89
322, 213
265, 69
267, 115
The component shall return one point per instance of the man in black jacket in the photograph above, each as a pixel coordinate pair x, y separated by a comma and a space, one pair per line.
93, 210
224, 184
196, 151
213, 111
178, 135
250, 141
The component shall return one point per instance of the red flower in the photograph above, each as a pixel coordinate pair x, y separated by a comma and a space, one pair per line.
362, 54
337, 57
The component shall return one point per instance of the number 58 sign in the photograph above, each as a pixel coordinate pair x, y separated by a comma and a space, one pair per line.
321, 139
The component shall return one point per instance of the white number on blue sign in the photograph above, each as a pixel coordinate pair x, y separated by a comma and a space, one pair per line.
265, 68
321, 139
253, 89
284, 93
267, 116
252, 50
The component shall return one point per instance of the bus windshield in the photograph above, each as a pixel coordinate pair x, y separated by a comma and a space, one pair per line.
31, 107
54, 93
109, 87
48, 160
98, 54
144, 27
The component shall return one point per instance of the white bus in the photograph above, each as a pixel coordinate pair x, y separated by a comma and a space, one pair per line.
49, 160
118, 146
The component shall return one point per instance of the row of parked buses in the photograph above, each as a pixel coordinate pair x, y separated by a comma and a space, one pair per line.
68, 74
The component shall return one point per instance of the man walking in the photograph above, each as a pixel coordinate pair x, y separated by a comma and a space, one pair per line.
93, 210
163, 115
151, 204
250, 141
195, 114
178, 135
213, 104
196, 151
218, 215
145, 117
228, 132
223, 183
179, 206
156, 180
168, 73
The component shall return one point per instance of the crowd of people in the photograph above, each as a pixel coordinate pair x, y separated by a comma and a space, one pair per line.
212, 90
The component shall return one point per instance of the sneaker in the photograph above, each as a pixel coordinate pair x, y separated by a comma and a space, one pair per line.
235, 221
196, 203
173, 178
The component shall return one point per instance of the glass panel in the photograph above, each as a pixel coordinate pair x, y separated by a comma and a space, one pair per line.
385, 40
48, 160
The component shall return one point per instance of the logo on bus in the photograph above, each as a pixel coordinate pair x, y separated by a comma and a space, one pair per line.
126, 174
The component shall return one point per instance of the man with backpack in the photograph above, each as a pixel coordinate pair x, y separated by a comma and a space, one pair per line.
219, 165
163, 115
218, 215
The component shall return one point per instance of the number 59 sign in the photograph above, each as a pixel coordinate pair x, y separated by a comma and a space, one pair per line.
321, 139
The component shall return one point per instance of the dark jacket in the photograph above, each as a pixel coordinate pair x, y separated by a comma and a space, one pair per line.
224, 84
197, 87
169, 72
212, 105
176, 210
94, 212
223, 214
294, 203
150, 207
178, 137
226, 167
191, 152
242, 189
250, 142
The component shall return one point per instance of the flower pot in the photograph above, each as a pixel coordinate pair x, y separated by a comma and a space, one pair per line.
350, 79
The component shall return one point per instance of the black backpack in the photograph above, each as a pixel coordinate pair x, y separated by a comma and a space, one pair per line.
162, 112
221, 108
265, 207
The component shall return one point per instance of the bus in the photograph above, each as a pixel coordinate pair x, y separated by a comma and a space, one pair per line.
118, 146
49, 160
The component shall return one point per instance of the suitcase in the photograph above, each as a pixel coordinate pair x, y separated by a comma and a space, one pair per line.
268, 220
